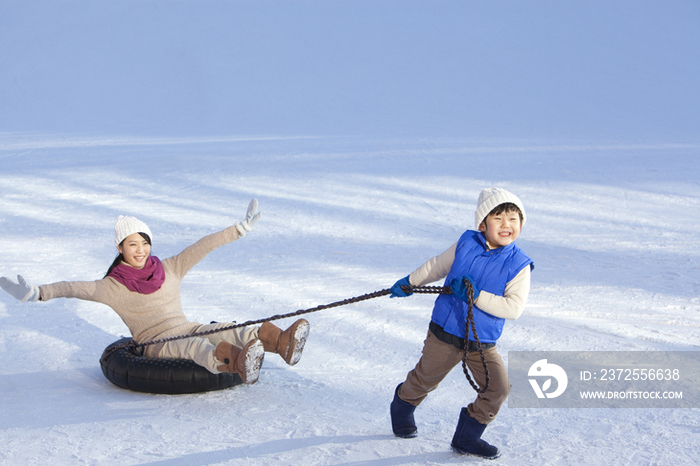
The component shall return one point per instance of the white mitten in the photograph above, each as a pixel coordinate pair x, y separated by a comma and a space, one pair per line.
251, 218
21, 290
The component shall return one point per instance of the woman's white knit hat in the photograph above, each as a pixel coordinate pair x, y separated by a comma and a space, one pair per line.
127, 226
490, 198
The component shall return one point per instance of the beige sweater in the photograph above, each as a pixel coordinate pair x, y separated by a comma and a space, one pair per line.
148, 316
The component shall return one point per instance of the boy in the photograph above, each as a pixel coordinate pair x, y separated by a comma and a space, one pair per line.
499, 272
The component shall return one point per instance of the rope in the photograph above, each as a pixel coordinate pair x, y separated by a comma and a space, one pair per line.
138, 347
470, 321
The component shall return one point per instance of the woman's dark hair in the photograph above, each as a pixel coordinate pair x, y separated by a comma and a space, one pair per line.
120, 257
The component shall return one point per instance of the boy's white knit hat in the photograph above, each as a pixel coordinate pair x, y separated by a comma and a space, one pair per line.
490, 198
127, 226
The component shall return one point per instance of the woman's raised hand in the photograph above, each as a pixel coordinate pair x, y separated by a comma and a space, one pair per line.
251, 218
20, 290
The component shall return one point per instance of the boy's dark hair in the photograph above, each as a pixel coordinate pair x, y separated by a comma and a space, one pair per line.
506, 207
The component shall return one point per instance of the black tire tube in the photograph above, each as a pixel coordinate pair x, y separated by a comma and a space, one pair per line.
127, 369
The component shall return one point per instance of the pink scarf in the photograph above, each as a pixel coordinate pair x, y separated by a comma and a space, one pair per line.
147, 280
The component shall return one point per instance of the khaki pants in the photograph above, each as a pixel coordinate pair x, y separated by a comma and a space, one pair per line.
439, 358
201, 349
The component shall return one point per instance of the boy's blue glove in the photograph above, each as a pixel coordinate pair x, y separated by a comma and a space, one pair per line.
397, 292
460, 289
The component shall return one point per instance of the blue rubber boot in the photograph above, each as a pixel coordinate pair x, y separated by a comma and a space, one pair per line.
467, 438
402, 422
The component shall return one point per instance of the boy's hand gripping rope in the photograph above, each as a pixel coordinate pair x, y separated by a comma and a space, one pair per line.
357, 299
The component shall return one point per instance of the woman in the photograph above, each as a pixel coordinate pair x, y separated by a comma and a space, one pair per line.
145, 292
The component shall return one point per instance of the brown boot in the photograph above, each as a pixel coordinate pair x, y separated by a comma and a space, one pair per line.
288, 344
245, 362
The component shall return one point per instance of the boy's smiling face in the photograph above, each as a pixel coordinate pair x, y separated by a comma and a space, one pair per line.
501, 229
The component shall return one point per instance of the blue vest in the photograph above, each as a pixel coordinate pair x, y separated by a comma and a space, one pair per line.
491, 271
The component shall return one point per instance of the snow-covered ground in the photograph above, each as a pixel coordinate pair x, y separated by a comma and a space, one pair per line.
366, 137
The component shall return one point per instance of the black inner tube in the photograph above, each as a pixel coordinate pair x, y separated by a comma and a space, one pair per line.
126, 368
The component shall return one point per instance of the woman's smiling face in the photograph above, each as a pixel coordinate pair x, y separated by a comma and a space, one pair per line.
135, 250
